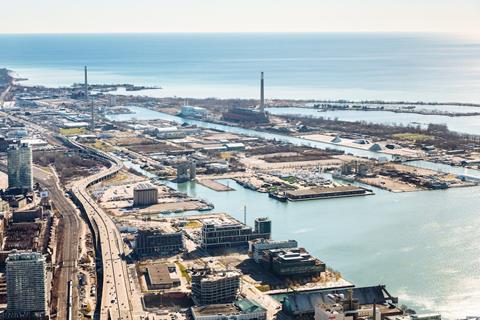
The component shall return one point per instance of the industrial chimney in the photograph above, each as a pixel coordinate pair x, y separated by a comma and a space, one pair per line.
262, 95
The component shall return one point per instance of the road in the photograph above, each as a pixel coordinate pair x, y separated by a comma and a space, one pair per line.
117, 301
66, 265
68, 256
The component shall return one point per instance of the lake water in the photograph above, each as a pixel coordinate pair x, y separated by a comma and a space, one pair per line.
423, 245
356, 66
467, 124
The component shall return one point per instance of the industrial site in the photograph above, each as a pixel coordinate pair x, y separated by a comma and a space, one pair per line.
94, 225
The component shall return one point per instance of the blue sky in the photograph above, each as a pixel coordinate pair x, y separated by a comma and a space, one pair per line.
64, 16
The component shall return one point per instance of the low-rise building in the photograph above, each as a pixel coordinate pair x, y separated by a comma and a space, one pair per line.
305, 304
221, 233
258, 246
157, 277
239, 310
192, 111
154, 242
295, 262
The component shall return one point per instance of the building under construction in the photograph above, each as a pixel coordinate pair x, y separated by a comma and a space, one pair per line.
155, 242
213, 287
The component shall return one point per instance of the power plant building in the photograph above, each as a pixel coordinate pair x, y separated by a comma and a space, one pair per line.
246, 115
222, 233
19, 163
214, 287
145, 195
26, 286
155, 242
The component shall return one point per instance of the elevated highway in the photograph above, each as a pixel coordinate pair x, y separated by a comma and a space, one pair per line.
116, 293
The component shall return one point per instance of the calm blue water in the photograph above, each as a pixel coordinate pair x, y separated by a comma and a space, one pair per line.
423, 245
317, 66
465, 124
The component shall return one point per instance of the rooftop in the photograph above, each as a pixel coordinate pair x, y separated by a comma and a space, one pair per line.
238, 307
158, 274
144, 186
322, 190
17, 256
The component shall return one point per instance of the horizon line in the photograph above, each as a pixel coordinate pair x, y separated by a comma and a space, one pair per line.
238, 32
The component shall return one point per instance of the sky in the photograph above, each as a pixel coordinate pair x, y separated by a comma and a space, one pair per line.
110, 16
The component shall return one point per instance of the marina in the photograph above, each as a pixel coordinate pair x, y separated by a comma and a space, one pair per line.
396, 234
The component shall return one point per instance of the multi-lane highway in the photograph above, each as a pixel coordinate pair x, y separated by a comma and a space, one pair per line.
116, 291
118, 300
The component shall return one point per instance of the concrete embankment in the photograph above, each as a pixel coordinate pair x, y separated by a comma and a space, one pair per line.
214, 185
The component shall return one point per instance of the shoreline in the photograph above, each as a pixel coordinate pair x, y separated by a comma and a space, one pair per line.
278, 99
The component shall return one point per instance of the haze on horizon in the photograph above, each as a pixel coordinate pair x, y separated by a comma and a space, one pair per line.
126, 16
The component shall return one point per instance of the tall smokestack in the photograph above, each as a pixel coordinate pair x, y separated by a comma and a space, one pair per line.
262, 94
92, 123
86, 84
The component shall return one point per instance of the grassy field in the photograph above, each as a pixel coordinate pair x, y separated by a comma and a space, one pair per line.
184, 271
100, 145
193, 224
72, 131
263, 287
412, 136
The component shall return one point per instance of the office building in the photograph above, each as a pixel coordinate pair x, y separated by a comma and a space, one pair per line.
239, 310
159, 277
145, 195
19, 161
155, 242
228, 232
296, 262
214, 287
263, 225
26, 287
258, 246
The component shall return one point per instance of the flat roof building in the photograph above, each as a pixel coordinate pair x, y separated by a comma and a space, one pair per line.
26, 286
214, 287
19, 163
258, 246
239, 310
158, 277
155, 242
292, 262
192, 111
221, 233
145, 194
303, 304
325, 193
